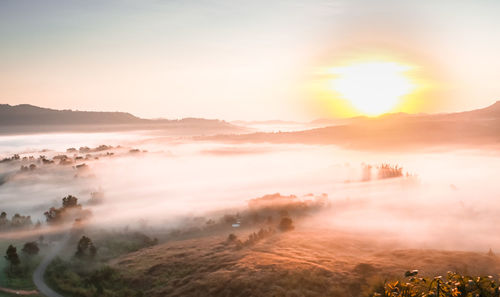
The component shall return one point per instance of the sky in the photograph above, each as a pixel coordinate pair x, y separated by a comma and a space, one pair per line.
242, 60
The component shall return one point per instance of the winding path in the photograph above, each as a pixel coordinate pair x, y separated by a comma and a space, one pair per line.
40, 270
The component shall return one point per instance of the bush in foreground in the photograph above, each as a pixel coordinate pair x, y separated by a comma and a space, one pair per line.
454, 285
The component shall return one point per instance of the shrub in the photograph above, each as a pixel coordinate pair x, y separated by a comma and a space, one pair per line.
252, 239
69, 211
231, 237
454, 285
286, 224
31, 248
85, 248
70, 279
389, 171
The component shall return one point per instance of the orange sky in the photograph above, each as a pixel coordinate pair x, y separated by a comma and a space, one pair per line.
230, 60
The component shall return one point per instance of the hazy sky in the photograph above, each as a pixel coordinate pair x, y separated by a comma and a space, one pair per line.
239, 59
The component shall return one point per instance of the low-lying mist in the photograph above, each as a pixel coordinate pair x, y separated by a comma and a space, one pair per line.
449, 200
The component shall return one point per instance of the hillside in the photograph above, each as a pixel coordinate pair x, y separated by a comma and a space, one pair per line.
394, 131
27, 118
26, 114
297, 263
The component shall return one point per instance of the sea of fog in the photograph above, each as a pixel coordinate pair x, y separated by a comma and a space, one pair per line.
451, 201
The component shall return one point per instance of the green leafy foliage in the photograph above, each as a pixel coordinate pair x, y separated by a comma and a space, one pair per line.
69, 211
454, 285
70, 278
16, 222
13, 258
85, 248
31, 248
16, 276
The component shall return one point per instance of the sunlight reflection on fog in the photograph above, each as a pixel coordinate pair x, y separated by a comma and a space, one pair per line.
455, 194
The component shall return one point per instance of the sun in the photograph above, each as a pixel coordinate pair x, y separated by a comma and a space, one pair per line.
374, 87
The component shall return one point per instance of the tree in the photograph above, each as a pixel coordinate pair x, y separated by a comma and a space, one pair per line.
389, 171
3, 219
12, 256
232, 237
20, 221
53, 215
70, 201
70, 209
92, 250
491, 253
31, 248
85, 248
286, 224
96, 198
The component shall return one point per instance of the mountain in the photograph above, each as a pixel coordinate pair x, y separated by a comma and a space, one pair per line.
26, 114
393, 131
27, 118
487, 113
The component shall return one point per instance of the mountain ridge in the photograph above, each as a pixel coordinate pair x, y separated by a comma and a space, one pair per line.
126, 117
392, 131
27, 118
7, 110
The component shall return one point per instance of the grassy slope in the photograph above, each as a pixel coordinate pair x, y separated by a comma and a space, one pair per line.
298, 263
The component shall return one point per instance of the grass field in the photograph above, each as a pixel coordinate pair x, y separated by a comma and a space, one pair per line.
304, 262
297, 263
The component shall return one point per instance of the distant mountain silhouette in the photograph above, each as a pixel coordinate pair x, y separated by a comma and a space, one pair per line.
27, 118
490, 112
26, 114
394, 131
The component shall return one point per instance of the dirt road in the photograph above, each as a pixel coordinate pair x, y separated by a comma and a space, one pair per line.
40, 270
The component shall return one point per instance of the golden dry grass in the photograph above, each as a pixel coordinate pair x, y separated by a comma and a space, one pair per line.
297, 263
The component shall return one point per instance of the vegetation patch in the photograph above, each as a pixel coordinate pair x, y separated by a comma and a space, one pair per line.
74, 278
453, 285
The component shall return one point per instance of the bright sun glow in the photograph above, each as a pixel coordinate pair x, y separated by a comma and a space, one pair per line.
372, 87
